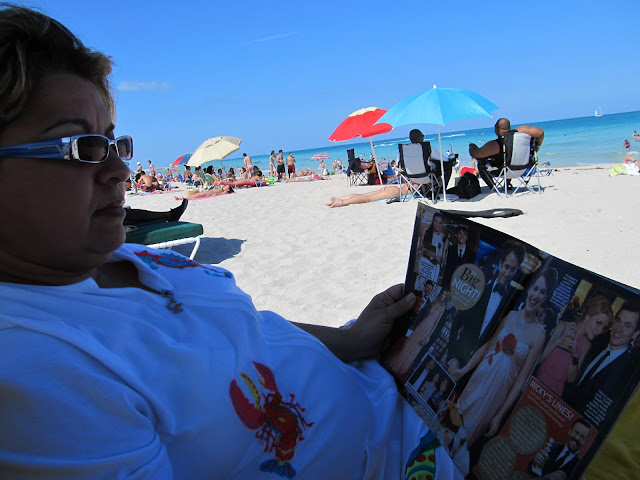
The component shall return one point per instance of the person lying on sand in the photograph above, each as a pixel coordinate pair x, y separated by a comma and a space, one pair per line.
390, 191
310, 177
630, 159
225, 190
304, 173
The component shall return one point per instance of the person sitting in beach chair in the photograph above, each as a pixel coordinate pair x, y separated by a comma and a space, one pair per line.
519, 163
145, 358
188, 175
420, 164
491, 156
355, 171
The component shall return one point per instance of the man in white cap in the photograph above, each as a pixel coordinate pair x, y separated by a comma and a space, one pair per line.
139, 169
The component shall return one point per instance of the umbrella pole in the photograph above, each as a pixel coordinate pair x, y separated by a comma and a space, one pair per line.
224, 169
444, 187
375, 159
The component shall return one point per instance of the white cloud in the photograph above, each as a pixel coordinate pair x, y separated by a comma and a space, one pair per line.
266, 39
138, 86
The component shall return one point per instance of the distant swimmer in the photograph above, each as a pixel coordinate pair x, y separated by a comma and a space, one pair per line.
636, 137
627, 145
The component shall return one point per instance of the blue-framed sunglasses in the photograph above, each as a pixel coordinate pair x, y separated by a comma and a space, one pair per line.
82, 148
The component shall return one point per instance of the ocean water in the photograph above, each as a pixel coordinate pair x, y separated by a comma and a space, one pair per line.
567, 143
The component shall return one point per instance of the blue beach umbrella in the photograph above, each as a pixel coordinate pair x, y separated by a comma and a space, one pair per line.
438, 106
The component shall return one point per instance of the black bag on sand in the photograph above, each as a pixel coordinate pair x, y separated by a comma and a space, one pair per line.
468, 186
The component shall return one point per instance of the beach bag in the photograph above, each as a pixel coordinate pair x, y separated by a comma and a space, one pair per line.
468, 186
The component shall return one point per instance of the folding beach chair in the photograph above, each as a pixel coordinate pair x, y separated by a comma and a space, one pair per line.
163, 234
544, 169
355, 173
520, 166
415, 162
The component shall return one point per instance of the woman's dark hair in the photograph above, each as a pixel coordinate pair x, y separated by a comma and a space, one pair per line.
550, 276
34, 46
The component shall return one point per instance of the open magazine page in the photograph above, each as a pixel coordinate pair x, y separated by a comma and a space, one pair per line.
501, 354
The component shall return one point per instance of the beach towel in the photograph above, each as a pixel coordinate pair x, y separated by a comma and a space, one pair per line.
624, 169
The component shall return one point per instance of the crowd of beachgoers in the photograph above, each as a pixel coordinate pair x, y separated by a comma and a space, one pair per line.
211, 179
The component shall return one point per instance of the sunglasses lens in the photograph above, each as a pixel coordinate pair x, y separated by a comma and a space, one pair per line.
125, 147
93, 148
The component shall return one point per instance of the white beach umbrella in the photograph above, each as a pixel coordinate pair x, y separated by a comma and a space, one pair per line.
215, 148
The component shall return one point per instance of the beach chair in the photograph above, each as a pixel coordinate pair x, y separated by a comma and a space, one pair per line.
164, 234
520, 166
544, 169
355, 173
209, 181
415, 162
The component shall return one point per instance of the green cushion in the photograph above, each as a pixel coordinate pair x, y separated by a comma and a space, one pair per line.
161, 231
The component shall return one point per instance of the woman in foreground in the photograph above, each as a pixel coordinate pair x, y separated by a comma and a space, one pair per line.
121, 361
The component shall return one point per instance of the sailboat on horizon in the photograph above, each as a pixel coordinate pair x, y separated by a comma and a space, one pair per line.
599, 112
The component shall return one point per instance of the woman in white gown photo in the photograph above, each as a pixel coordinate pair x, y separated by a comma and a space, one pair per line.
504, 363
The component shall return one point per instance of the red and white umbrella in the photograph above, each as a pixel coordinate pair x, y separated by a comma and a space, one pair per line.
362, 123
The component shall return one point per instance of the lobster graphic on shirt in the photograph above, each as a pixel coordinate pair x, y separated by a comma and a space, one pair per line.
278, 424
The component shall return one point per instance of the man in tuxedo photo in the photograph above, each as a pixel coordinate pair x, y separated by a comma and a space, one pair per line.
606, 368
557, 461
472, 328
423, 308
459, 253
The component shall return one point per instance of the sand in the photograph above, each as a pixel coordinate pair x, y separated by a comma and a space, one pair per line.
315, 264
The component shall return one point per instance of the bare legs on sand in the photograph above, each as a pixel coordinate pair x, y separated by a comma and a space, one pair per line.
390, 191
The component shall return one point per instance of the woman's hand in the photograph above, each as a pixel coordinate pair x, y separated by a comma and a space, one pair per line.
368, 334
457, 373
494, 425
569, 340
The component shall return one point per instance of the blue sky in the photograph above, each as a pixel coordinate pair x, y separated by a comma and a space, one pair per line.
285, 74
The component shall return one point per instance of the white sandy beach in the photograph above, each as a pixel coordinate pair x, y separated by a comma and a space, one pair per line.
315, 264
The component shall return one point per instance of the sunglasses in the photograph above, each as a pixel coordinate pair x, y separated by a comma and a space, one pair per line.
81, 148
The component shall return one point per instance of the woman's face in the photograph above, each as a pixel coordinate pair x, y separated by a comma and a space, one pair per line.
436, 378
62, 218
594, 325
537, 294
437, 224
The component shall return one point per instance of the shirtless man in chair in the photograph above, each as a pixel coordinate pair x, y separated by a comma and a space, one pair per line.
490, 154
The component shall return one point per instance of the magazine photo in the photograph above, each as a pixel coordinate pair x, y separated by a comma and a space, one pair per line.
518, 361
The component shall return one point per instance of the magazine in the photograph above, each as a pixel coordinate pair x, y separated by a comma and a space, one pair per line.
518, 361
